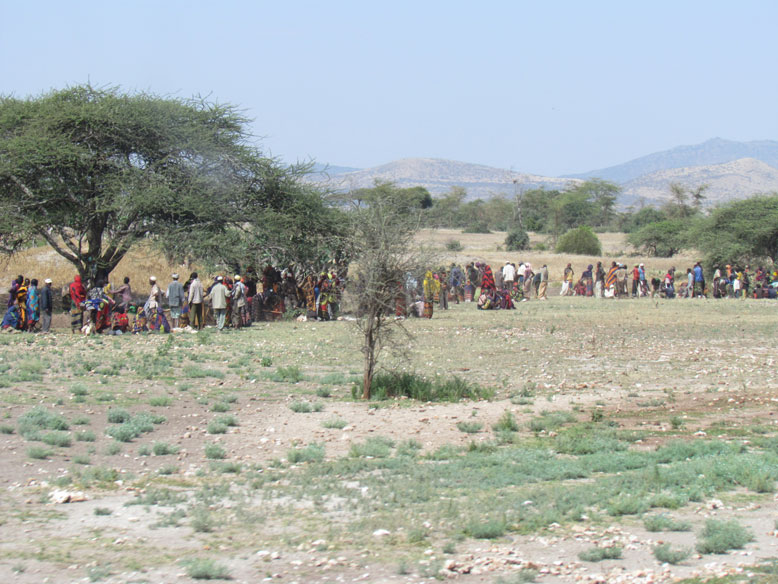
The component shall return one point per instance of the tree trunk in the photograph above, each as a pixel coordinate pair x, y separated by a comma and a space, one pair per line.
369, 350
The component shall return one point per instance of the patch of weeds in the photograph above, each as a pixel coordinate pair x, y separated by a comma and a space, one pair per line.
6, 429
323, 392
302, 407
215, 427
663, 522
102, 511
205, 569
666, 554
445, 452
113, 449
85, 436
506, 423
98, 573
197, 372
230, 399
720, 536
79, 390
118, 416
144, 450
415, 386
627, 505
408, 447
105, 397
598, 554
550, 421
39, 418
82, 459
334, 379
310, 453
226, 467
266, 362
373, 447
38, 452
489, 529
335, 423
81, 421
291, 374
168, 469
157, 496
201, 520
676, 422
220, 407
470, 427
228, 420
215, 451
587, 439
61, 439
160, 401
163, 449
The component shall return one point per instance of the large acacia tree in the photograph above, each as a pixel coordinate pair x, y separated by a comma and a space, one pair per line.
92, 171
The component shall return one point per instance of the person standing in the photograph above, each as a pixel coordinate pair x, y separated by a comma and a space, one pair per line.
33, 305
642, 282
218, 296
508, 276
154, 300
699, 281
567, 281
599, 280
125, 296
15, 284
543, 288
47, 305
195, 300
689, 283
635, 280
175, 299
77, 297
239, 311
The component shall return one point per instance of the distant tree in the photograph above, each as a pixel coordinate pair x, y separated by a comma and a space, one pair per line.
679, 207
536, 209
580, 240
381, 235
661, 239
741, 232
517, 240
642, 217
603, 195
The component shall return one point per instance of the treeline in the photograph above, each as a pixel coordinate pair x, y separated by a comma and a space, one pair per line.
739, 232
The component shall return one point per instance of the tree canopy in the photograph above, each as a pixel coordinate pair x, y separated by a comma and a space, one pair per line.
92, 171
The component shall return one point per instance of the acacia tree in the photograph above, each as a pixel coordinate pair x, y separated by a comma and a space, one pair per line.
382, 241
92, 171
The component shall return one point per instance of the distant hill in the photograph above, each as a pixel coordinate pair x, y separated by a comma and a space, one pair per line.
731, 180
714, 151
439, 176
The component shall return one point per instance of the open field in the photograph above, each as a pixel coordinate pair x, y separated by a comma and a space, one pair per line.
614, 426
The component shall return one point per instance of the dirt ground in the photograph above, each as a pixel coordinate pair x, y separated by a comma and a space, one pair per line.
686, 369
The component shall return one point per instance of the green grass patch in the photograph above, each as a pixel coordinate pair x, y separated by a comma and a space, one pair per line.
667, 554
310, 453
470, 427
205, 569
720, 536
415, 386
663, 522
214, 451
373, 447
335, 423
304, 407
598, 554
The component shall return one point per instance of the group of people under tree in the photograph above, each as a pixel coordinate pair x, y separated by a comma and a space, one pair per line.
226, 302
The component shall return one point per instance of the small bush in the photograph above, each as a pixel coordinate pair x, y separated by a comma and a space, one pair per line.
215, 452
291, 374
79, 390
102, 511
81, 421
311, 453
490, 529
506, 423
118, 416
113, 448
86, 436
266, 362
163, 449
160, 401
220, 407
335, 423
6, 429
62, 439
598, 554
301, 407
517, 240
663, 522
414, 386
373, 447
38, 452
718, 537
667, 555
215, 427
205, 569
581, 240
477, 227
228, 420
454, 245
39, 418
81, 459
550, 421
144, 450
470, 427
123, 433
323, 392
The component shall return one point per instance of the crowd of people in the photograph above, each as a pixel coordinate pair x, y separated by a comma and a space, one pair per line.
236, 302
225, 302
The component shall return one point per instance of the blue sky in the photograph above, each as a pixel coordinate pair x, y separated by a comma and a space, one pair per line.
542, 87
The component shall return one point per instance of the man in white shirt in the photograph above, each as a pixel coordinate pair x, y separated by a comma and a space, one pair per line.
508, 276
195, 300
218, 295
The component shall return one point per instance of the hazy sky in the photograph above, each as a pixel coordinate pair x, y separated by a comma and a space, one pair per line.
542, 87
